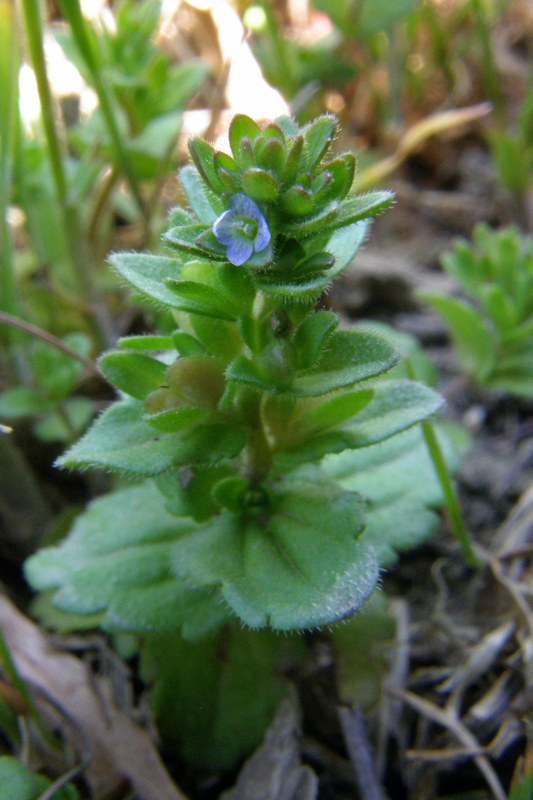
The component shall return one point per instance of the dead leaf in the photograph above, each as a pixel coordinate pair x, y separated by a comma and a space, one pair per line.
274, 771
121, 749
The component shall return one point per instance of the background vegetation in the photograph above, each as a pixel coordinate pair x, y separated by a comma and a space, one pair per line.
431, 686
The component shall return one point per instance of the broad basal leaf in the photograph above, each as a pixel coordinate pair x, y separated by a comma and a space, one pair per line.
116, 561
398, 481
295, 563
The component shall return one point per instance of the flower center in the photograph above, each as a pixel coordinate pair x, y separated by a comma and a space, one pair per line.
248, 227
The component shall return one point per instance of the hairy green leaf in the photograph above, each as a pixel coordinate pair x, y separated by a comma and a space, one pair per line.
319, 135
205, 205
120, 439
473, 339
350, 356
392, 407
133, 373
117, 561
148, 274
296, 563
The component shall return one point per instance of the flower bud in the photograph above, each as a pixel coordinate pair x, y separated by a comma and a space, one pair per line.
196, 381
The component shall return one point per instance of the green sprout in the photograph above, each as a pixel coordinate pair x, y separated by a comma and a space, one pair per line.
492, 330
248, 428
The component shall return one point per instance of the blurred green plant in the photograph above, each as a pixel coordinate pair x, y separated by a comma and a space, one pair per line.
19, 783
141, 96
65, 187
59, 416
512, 152
492, 331
362, 38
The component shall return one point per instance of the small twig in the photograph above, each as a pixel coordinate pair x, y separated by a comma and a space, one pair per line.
360, 753
520, 551
514, 590
390, 707
450, 721
447, 754
40, 333
62, 781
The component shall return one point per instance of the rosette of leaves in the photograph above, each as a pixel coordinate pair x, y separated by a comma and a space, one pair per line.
492, 327
226, 422
298, 188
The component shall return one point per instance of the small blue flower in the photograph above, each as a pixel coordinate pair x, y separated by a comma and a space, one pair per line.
242, 228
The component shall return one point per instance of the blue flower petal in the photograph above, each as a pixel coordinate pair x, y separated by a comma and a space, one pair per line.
242, 229
244, 206
262, 237
224, 227
240, 251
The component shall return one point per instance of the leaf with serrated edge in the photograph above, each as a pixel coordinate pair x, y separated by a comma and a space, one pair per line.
398, 479
117, 559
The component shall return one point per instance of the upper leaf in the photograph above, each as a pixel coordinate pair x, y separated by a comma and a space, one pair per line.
148, 274
120, 439
350, 357
133, 373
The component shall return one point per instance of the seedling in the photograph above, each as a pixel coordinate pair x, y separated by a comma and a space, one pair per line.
492, 330
223, 417
275, 468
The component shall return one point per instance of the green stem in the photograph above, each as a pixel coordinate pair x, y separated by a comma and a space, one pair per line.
78, 257
452, 504
8, 111
453, 508
488, 64
72, 13
257, 456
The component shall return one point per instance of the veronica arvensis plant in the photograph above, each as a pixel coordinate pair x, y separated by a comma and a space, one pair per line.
230, 424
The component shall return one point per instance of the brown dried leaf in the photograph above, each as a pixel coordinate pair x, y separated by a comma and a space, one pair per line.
121, 749
274, 771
